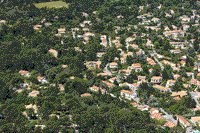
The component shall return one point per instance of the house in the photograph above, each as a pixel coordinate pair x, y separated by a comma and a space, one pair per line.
179, 93
176, 76
170, 83
155, 20
61, 30
123, 60
195, 120
161, 88
157, 116
100, 54
86, 95
113, 65
62, 88
183, 121
151, 70
103, 74
133, 86
54, 52
184, 18
134, 104
169, 124
190, 74
193, 81
185, 27
156, 79
136, 67
25, 73
94, 88
171, 11
34, 107
149, 43
42, 80
108, 84
2, 22
177, 98
47, 24
134, 46
37, 27
142, 78
174, 33
128, 94
126, 72
175, 51
93, 64
113, 79
34, 93
154, 110
177, 44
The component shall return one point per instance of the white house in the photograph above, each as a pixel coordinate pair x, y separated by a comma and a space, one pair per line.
136, 66
25, 73
113, 65
42, 80
128, 94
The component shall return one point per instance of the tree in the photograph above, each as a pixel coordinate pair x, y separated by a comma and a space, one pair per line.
178, 85
145, 89
167, 72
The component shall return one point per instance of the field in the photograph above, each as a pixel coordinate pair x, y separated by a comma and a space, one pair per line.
55, 4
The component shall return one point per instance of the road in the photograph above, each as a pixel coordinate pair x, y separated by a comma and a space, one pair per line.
168, 116
153, 55
106, 70
109, 41
194, 94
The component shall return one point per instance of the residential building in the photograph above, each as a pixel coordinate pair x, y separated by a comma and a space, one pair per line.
156, 79
100, 54
108, 84
128, 94
161, 88
179, 93
157, 116
154, 110
195, 120
136, 66
113, 65
34, 93
25, 73
174, 34
142, 78
42, 80
61, 30
170, 83
169, 124
86, 95
54, 52
183, 121
125, 72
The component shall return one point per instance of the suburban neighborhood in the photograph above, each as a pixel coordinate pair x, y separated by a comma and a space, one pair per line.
77, 70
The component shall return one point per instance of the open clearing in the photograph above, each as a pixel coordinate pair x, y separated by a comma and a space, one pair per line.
55, 4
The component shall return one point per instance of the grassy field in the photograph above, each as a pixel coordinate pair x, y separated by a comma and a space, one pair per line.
55, 4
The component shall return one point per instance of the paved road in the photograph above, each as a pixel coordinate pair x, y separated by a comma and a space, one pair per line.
194, 94
106, 70
109, 41
153, 55
168, 116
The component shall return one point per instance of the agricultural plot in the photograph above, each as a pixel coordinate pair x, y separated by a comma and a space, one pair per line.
55, 4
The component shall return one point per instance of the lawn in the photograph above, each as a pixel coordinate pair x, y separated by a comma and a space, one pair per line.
55, 4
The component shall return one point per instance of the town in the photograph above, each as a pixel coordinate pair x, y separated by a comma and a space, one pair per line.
121, 67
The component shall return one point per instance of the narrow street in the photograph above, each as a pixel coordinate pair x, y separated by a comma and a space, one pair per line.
168, 116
